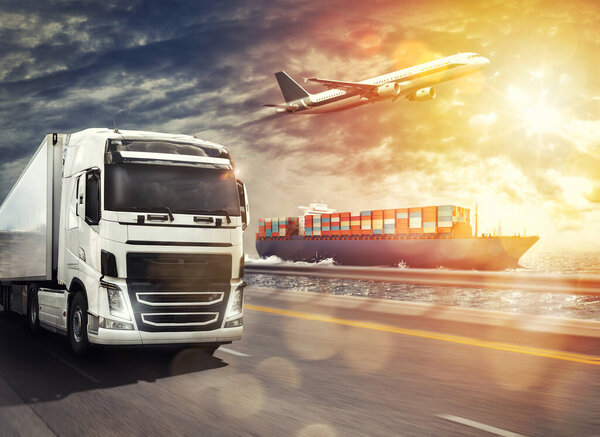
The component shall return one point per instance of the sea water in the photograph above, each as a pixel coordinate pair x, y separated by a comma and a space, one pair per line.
521, 301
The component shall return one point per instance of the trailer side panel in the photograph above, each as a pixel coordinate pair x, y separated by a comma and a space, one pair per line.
26, 221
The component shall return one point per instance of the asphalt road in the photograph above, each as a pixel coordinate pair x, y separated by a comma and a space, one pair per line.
308, 369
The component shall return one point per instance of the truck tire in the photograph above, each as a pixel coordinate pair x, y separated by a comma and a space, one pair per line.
78, 324
33, 310
4, 299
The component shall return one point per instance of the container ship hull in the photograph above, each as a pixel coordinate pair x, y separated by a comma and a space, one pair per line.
493, 253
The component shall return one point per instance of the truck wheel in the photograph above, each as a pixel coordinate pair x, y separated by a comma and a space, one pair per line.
4, 299
78, 324
33, 310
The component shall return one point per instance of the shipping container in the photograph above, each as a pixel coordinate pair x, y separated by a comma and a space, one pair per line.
415, 218
445, 214
402, 221
389, 221
345, 223
326, 225
316, 230
365, 223
282, 226
377, 222
355, 223
430, 219
336, 229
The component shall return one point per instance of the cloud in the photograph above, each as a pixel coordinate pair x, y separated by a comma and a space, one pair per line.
187, 66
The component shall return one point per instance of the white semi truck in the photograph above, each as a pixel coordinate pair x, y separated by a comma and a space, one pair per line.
126, 238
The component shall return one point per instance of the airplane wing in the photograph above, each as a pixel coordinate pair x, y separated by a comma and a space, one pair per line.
362, 88
286, 107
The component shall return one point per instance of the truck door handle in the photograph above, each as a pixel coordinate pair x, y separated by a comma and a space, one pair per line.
157, 218
198, 219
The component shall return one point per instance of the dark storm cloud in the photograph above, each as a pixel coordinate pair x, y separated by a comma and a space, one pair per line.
198, 66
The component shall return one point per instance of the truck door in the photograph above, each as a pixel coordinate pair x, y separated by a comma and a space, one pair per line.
76, 212
89, 219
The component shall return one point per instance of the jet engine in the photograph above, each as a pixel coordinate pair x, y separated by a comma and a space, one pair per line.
389, 90
306, 103
422, 95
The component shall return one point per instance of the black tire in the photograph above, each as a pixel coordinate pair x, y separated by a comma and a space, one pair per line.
33, 310
78, 324
4, 299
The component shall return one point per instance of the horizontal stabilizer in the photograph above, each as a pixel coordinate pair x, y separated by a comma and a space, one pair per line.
286, 107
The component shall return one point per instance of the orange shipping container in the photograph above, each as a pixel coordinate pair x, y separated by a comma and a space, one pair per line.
402, 221
429, 213
355, 223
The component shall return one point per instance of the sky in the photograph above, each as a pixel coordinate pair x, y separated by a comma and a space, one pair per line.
521, 138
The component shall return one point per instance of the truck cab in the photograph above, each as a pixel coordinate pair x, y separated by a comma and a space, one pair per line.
147, 240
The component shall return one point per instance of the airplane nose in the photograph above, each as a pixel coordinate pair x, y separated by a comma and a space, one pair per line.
484, 61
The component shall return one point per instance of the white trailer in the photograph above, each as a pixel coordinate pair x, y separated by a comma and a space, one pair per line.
126, 238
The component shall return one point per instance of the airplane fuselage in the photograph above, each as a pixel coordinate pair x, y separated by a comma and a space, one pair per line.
407, 83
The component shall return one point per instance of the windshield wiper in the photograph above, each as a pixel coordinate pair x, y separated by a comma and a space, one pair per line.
156, 209
217, 212
170, 213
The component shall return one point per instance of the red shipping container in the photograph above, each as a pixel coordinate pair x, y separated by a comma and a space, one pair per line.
355, 225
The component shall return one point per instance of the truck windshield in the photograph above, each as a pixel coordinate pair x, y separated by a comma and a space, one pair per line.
184, 190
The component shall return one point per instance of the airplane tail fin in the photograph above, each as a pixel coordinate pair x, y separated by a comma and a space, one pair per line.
289, 87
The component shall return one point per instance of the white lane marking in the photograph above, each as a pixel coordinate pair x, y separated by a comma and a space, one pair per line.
481, 426
74, 367
232, 352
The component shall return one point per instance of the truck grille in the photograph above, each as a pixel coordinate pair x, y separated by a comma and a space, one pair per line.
179, 298
178, 292
180, 319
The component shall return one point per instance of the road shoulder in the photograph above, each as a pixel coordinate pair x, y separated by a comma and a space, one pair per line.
18, 418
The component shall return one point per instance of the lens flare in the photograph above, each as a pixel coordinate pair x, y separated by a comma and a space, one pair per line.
536, 114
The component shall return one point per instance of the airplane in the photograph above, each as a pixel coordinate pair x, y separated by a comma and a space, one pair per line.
414, 83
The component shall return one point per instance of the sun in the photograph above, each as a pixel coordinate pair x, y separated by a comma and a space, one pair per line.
537, 115
541, 119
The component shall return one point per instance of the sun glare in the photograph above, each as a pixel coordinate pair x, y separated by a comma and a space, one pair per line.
537, 115
541, 119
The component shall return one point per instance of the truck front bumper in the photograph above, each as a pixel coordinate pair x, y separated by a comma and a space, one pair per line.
134, 337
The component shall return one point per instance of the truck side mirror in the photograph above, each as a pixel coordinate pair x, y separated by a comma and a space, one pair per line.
244, 208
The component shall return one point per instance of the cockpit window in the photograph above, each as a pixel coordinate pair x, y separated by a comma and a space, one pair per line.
472, 56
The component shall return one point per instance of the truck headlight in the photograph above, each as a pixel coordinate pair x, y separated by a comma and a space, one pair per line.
116, 300
114, 324
237, 301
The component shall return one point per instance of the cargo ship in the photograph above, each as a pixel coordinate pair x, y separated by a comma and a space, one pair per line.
423, 237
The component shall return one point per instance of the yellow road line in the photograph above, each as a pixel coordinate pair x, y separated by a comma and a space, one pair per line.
548, 353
